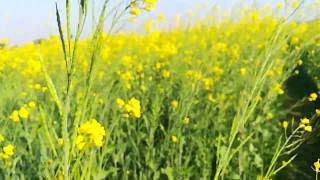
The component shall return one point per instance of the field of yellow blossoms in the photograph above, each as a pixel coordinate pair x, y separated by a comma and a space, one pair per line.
224, 98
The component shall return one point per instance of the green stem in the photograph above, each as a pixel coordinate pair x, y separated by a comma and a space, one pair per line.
68, 26
277, 154
96, 45
47, 133
67, 102
66, 138
90, 165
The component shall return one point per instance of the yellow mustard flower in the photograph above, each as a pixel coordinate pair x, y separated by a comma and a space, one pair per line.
308, 128
37, 87
90, 134
166, 73
8, 151
60, 141
148, 7
23, 113
316, 166
313, 97
285, 124
44, 89
295, 3
278, 88
243, 71
280, 6
15, 116
135, 11
150, 2
133, 107
305, 121
208, 83
80, 142
174, 104
120, 102
174, 139
32, 104
269, 115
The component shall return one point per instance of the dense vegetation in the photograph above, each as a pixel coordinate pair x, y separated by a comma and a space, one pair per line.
231, 98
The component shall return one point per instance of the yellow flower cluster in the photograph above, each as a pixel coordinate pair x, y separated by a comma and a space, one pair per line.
17, 114
166, 74
313, 97
38, 87
23, 112
90, 134
316, 167
132, 108
7, 151
305, 124
136, 5
278, 88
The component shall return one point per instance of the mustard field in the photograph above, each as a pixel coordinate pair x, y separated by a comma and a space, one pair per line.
224, 98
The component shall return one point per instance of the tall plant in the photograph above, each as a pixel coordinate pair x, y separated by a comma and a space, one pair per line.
69, 46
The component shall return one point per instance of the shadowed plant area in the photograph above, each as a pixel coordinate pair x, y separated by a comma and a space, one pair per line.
229, 96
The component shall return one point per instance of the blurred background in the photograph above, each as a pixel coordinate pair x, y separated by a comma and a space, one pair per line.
23, 21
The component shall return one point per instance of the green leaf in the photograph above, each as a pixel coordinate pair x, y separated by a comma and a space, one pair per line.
61, 35
46, 131
169, 172
51, 87
258, 160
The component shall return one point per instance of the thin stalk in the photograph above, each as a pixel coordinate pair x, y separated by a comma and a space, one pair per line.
278, 153
47, 133
65, 136
93, 15
96, 45
90, 165
81, 21
68, 26
65, 133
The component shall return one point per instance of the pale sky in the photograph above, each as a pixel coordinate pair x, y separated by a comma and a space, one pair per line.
23, 21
